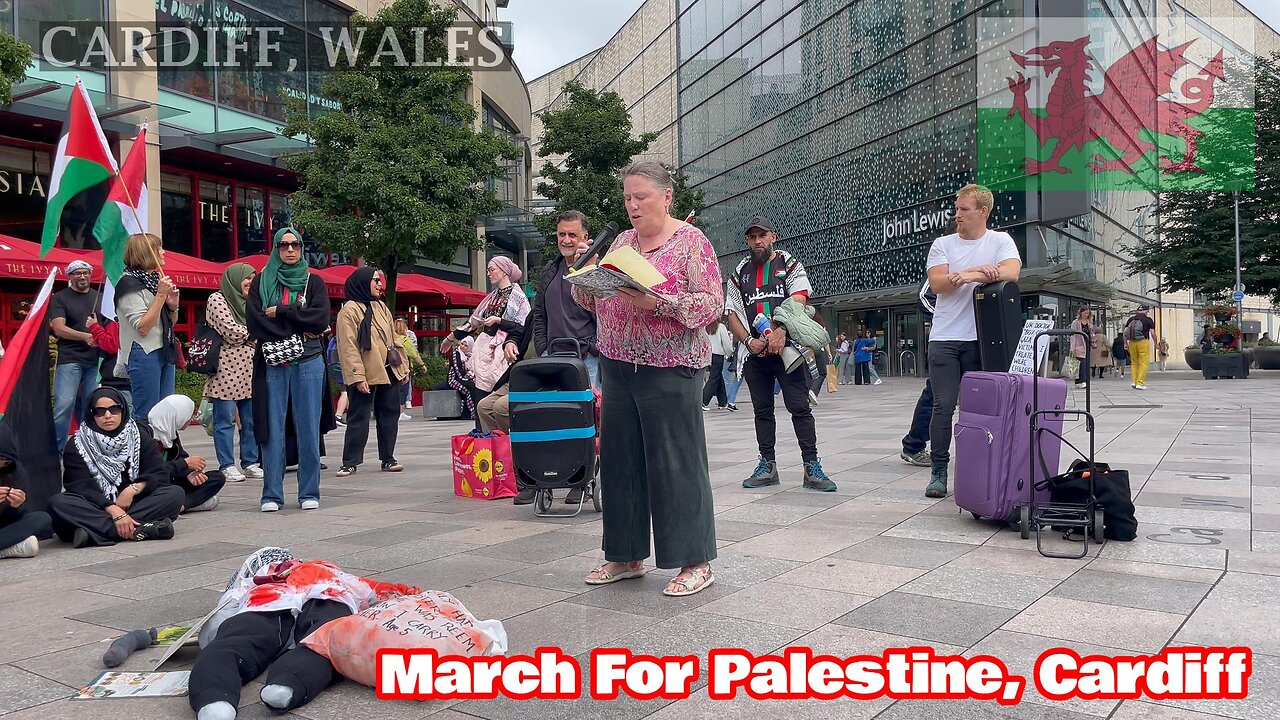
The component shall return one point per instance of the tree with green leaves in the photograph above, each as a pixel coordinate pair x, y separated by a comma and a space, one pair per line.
397, 172
593, 131
1196, 247
15, 58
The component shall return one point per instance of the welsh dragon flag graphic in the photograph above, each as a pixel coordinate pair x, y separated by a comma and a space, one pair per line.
1157, 103
82, 161
125, 208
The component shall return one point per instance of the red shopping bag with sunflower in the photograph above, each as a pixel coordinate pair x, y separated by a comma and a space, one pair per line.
482, 466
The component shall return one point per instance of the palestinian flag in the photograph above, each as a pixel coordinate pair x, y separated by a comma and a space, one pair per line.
82, 161
126, 205
26, 404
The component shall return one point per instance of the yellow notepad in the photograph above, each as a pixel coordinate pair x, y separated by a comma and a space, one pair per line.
622, 267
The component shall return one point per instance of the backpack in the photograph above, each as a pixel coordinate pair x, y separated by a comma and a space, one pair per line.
1135, 329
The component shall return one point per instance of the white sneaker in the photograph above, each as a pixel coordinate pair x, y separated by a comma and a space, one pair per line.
270, 507
310, 504
254, 471
1140, 387
405, 416
813, 398
878, 382
232, 474
209, 504
26, 549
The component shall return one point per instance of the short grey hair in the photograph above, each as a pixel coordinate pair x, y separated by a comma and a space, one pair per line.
652, 171
572, 215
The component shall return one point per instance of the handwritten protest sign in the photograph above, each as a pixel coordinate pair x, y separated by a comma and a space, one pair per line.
1023, 361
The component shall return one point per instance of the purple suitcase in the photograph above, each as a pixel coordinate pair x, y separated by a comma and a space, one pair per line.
993, 442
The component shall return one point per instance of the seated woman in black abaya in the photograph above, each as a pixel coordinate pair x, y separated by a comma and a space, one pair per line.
116, 487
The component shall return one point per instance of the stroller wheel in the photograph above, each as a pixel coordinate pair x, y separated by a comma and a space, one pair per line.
542, 502
1024, 521
595, 496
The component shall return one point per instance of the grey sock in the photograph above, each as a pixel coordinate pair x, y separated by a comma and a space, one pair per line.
122, 647
220, 710
277, 696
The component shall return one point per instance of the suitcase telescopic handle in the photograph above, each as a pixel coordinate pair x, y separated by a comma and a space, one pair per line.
577, 347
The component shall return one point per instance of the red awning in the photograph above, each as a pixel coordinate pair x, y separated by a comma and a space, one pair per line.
21, 259
454, 295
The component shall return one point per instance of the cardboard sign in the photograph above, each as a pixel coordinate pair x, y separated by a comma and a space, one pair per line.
1023, 361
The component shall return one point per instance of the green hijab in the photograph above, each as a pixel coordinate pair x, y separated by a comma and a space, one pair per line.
230, 287
276, 274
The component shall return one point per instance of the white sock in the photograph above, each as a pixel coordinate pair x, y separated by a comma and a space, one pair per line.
276, 696
217, 711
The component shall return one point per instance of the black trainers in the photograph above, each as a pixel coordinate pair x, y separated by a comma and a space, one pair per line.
158, 530
731, 407
391, 465
524, 497
80, 538
816, 479
765, 474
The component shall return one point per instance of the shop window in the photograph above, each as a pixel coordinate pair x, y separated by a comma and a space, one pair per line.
251, 221
175, 212
35, 19
24, 189
215, 221
196, 76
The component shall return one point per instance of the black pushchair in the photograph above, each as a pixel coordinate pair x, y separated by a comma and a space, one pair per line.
553, 427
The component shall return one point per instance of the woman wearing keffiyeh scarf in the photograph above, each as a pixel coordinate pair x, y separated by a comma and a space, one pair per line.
147, 305
116, 484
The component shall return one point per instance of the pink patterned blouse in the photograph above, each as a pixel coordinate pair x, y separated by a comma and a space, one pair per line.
673, 335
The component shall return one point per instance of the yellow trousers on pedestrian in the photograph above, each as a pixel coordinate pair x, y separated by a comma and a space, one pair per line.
1140, 356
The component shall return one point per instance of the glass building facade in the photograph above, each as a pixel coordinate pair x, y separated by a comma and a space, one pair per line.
851, 124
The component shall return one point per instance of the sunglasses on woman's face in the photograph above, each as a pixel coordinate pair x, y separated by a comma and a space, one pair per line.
108, 410
290, 245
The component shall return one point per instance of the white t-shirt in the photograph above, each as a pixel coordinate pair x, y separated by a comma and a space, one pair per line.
953, 315
721, 340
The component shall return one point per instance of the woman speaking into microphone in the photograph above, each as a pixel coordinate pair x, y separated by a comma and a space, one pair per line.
653, 451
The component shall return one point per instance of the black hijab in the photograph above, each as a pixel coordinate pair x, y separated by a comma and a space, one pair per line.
110, 455
357, 290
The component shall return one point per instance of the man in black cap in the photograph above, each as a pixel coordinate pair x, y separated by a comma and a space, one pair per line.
1139, 337
757, 286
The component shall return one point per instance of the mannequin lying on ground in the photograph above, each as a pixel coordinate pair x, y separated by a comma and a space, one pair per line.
272, 603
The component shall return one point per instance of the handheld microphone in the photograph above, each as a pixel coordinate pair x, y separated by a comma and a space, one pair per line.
605, 237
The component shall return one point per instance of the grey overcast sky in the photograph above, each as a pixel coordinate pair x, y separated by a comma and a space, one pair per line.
550, 33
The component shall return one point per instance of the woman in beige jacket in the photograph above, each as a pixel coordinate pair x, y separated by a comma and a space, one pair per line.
373, 366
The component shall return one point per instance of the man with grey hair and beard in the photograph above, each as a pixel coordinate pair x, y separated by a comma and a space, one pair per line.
77, 372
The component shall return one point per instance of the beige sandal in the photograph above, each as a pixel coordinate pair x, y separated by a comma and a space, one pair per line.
604, 577
698, 580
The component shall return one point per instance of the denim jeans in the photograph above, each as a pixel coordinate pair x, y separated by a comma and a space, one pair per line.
918, 436
593, 369
732, 380
151, 377
72, 385
224, 432
303, 384
949, 360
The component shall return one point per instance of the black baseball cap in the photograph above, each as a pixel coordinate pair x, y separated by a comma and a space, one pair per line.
1144, 308
761, 222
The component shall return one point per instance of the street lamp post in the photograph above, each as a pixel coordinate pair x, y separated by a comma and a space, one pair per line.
1239, 287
